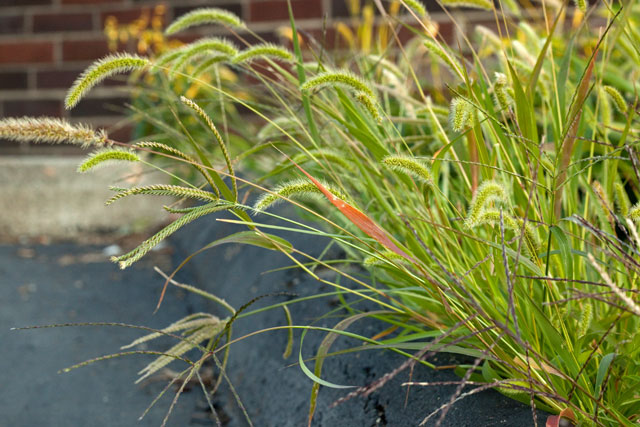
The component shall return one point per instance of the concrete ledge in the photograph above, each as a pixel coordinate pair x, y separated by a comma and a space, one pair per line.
46, 196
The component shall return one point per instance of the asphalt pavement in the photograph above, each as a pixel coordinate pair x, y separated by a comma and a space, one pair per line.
74, 283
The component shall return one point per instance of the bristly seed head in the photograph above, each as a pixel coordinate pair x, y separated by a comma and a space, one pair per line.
446, 56
100, 157
298, 188
265, 50
618, 99
622, 199
500, 91
417, 7
342, 78
462, 114
50, 130
634, 213
489, 191
477, 4
100, 70
410, 166
203, 16
369, 104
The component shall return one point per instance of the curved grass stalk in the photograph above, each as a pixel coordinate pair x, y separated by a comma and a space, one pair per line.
299, 189
416, 6
265, 50
221, 144
204, 16
165, 190
410, 166
478, 4
106, 156
128, 259
338, 78
100, 70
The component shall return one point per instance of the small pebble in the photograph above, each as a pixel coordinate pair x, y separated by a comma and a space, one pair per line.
112, 250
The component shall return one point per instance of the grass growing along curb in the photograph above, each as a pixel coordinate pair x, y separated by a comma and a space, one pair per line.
507, 230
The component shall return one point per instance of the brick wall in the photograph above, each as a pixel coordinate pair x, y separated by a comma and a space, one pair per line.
45, 44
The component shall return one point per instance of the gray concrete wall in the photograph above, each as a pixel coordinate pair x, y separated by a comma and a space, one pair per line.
46, 196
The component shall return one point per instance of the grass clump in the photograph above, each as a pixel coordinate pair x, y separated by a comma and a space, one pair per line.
512, 253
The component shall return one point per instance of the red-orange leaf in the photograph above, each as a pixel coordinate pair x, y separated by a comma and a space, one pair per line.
362, 221
557, 420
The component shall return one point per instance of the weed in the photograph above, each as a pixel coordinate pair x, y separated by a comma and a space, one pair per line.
511, 254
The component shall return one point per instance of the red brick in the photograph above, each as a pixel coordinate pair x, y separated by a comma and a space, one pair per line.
325, 37
231, 7
56, 79
127, 16
94, 107
25, 52
63, 79
13, 80
84, 50
89, 1
62, 22
276, 10
339, 8
23, 2
120, 133
32, 107
11, 24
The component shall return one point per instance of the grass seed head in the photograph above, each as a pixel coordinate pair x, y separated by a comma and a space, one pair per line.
105, 156
410, 166
341, 78
51, 130
204, 16
266, 50
488, 192
617, 98
100, 70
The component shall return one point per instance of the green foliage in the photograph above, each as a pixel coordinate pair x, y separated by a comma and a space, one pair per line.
512, 252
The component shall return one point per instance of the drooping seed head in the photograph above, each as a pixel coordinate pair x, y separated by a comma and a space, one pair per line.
410, 166
476, 4
51, 130
369, 104
104, 156
605, 107
341, 78
586, 316
622, 199
416, 6
100, 70
634, 213
462, 114
164, 190
618, 99
445, 55
298, 189
265, 50
500, 92
204, 16
487, 192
